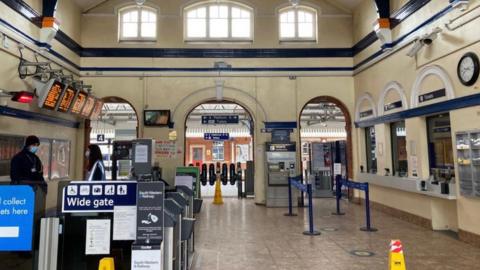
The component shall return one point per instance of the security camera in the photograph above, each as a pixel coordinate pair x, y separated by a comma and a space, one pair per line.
426, 39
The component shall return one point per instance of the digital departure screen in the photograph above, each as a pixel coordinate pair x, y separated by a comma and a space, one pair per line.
52, 96
97, 110
79, 102
87, 109
67, 99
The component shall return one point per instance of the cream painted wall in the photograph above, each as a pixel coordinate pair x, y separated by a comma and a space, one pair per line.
444, 52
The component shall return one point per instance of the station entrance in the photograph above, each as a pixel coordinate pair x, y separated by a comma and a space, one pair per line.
323, 140
221, 133
113, 132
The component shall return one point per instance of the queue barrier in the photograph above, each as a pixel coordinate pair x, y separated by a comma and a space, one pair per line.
294, 181
339, 182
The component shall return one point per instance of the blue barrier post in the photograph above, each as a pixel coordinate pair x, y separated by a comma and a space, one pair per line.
338, 193
290, 207
368, 228
311, 230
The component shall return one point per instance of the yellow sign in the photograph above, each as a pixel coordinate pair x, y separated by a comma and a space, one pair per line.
396, 259
106, 264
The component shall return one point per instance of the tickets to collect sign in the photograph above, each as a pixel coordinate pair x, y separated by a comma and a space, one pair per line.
98, 196
16, 218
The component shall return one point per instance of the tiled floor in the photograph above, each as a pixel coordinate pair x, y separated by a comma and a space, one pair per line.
242, 235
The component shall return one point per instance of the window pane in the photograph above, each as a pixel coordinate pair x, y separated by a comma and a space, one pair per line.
287, 30
370, 149
399, 149
241, 28
149, 30
304, 16
130, 30
218, 28
148, 16
197, 28
131, 16
218, 151
440, 150
305, 30
288, 16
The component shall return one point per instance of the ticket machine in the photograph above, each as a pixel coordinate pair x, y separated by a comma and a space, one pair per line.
280, 164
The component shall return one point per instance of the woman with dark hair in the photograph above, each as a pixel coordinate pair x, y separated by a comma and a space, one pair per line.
96, 168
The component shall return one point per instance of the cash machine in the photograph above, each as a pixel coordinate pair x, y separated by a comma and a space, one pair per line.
280, 165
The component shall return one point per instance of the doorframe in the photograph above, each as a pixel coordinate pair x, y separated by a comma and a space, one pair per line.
191, 152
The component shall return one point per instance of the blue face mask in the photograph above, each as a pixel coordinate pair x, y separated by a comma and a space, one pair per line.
33, 149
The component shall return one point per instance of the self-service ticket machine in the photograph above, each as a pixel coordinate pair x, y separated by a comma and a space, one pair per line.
280, 164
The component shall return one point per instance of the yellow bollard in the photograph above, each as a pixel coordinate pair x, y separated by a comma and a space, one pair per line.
217, 199
106, 264
396, 259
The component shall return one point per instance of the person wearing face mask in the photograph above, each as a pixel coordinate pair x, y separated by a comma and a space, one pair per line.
26, 167
96, 168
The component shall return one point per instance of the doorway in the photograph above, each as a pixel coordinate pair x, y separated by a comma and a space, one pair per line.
220, 132
118, 122
325, 139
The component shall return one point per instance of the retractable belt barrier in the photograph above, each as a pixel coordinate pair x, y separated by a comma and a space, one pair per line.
293, 181
339, 182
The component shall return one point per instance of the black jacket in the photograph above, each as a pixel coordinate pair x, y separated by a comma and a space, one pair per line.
26, 166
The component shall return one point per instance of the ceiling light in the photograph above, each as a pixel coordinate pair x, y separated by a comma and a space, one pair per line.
294, 2
140, 2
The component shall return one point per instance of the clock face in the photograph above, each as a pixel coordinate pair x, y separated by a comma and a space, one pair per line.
468, 69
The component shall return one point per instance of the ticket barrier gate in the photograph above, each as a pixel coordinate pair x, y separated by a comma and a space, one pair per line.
183, 253
172, 234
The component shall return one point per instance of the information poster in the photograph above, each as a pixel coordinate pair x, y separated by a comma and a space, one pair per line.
146, 257
141, 153
150, 200
124, 222
166, 149
98, 237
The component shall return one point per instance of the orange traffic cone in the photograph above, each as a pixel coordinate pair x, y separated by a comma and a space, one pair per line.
217, 199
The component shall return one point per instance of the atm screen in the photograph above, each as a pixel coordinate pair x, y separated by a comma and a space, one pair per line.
79, 102
67, 99
87, 109
52, 95
97, 110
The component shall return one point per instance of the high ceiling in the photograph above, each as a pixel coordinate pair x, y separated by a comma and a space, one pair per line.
347, 5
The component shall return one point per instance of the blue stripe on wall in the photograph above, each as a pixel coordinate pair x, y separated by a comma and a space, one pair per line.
255, 69
440, 107
34, 116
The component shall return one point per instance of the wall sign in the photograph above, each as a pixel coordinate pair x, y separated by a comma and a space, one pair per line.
432, 95
146, 257
97, 240
100, 137
366, 113
216, 136
219, 119
150, 200
16, 218
166, 149
98, 196
393, 105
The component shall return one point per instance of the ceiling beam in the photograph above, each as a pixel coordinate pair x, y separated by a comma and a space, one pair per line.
49, 8
383, 9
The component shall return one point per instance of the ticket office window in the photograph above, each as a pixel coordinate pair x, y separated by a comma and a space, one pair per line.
399, 149
440, 149
370, 148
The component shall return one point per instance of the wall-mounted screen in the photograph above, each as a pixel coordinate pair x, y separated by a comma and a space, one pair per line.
79, 102
89, 104
97, 110
66, 100
50, 94
156, 117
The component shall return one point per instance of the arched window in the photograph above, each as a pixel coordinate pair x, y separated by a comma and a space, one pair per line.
138, 23
218, 21
298, 23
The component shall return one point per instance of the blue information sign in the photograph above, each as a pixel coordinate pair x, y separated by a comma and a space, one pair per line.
219, 119
16, 218
98, 196
216, 136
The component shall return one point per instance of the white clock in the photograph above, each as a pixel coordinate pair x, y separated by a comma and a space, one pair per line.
468, 69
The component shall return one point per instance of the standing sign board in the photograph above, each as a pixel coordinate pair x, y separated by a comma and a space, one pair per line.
146, 257
150, 203
98, 196
16, 218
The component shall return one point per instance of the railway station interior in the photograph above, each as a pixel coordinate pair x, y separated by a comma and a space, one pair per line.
239, 134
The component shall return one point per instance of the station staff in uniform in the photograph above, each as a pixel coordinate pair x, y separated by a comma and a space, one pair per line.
26, 167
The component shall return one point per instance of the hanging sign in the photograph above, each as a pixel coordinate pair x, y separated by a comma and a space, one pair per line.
432, 95
98, 196
366, 113
219, 119
100, 137
216, 136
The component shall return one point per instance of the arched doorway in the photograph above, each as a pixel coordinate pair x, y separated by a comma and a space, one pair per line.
118, 121
325, 139
220, 132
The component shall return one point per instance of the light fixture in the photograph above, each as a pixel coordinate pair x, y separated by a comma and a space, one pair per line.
462, 5
22, 97
140, 2
295, 2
